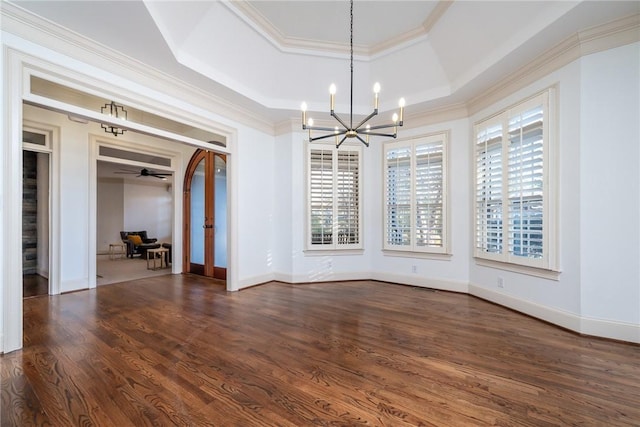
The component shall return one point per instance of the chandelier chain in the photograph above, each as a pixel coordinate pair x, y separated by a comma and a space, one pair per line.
351, 42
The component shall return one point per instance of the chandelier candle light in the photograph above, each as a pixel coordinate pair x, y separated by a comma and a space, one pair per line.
351, 131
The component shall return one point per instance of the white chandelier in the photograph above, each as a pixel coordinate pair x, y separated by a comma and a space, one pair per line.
362, 129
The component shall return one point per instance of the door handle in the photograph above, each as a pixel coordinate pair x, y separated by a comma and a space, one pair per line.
207, 226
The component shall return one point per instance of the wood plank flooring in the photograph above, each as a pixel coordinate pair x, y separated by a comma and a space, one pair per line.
34, 285
179, 350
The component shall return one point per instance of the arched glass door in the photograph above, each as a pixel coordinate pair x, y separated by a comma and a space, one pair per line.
205, 215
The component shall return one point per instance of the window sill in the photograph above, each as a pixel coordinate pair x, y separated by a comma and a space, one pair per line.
332, 252
522, 269
421, 255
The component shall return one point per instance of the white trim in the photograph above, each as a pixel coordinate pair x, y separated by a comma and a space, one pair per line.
97, 141
610, 329
422, 281
76, 285
12, 195
332, 252
602, 37
421, 255
582, 325
550, 184
518, 268
53, 149
335, 246
262, 26
558, 317
412, 143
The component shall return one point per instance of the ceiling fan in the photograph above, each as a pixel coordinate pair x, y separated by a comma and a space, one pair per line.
146, 172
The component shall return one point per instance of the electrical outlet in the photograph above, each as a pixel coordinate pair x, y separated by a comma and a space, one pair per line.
330, 265
414, 269
500, 282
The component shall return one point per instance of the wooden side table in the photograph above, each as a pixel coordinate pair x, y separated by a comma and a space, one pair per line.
116, 250
157, 253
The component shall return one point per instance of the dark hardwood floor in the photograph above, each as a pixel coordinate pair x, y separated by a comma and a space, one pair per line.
177, 350
34, 285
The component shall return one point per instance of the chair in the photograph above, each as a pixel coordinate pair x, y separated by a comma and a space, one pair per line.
137, 242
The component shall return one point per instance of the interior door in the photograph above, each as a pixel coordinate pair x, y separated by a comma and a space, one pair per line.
205, 215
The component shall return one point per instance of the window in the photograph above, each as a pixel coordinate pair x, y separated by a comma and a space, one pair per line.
334, 211
415, 194
513, 196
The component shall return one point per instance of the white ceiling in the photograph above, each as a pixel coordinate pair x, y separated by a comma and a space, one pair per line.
268, 56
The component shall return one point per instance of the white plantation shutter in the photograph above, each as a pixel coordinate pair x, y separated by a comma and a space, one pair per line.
348, 215
321, 196
513, 194
489, 188
415, 195
334, 213
398, 196
429, 221
526, 176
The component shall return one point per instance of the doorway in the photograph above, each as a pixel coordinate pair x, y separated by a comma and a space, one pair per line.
205, 215
36, 210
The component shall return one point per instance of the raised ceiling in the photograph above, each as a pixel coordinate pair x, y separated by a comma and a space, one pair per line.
269, 56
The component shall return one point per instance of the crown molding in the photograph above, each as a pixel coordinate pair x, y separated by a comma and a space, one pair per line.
613, 34
250, 15
436, 14
28, 26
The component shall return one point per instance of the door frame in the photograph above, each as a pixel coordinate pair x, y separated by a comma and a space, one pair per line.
97, 141
52, 137
210, 269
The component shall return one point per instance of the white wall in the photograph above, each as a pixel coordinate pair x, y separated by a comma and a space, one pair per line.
598, 289
148, 207
256, 193
284, 228
110, 212
445, 272
610, 191
540, 297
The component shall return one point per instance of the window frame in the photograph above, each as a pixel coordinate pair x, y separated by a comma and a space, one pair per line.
505, 258
413, 249
335, 245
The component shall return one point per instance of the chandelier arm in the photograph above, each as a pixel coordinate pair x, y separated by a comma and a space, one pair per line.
388, 135
316, 138
341, 141
362, 140
325, 129
389, 125
369, 117
335, 116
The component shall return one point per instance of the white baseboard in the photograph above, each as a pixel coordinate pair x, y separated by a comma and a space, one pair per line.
610, 329
43, 272
424, 282
74, 285
595, 327
256, 280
